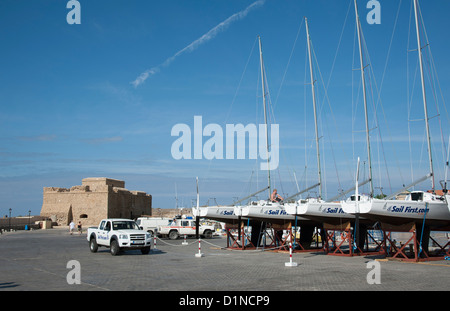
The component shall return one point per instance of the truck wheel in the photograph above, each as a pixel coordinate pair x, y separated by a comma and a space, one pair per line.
173, 235
93, 245
145, 250
114, 248
207, 234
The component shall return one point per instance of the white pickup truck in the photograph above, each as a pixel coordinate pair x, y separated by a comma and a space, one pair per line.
181, 227
118, 234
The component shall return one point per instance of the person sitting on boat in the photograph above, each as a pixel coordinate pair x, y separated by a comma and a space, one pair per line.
275, 197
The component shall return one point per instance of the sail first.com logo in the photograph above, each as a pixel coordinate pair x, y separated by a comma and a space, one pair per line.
236, 141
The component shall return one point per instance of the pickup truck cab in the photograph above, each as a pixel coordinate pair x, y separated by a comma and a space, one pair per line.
118, 234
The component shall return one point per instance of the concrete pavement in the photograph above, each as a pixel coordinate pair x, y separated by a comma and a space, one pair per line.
38, 260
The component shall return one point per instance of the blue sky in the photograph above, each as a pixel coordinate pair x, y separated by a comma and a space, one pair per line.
69, 110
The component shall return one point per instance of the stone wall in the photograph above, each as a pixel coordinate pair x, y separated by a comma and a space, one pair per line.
95, 199
128, 204
101, 183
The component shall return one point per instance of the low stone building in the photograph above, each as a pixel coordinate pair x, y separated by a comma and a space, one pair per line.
95, 199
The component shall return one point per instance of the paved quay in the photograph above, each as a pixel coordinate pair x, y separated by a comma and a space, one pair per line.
38, 261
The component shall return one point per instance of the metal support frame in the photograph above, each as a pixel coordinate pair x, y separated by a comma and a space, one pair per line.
283, 243
275, 240
242, 241
347, 247
404, 251
232, 241
300, 249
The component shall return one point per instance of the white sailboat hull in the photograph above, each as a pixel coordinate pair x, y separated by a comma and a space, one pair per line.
401, 211
327, 212
219, 213
269, 212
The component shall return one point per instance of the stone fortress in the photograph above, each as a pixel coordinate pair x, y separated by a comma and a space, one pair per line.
94, 200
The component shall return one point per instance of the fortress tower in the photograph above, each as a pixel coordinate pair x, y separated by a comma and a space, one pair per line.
95, 199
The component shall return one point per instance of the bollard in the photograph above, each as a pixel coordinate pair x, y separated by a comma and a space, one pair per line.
154, 244
290, 263
199, 254
184, 242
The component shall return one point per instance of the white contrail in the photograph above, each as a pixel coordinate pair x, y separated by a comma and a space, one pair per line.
195, 44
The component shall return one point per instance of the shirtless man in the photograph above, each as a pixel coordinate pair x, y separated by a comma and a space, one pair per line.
275, 197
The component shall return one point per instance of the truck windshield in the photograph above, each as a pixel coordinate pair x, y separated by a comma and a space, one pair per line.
123, 224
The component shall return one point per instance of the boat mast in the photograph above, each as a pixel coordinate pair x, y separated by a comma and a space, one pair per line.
265, 112
369, 158
315, 109
446, 167
419, 49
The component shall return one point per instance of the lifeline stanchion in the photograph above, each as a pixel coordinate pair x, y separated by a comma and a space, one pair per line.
290, 263
199, 254
184, 242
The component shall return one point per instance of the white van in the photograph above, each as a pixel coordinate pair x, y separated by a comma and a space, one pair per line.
151, 224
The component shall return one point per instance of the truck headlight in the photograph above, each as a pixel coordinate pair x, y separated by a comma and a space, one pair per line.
123, 237
148, 236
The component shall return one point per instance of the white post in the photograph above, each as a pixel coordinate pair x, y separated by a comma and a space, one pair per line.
290, 263
185, 242
356, 237
199, 254
154, 244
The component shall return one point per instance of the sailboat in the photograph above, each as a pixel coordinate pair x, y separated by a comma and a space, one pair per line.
222, 213
265, 210
418, 206
317, 208
225, 213
235, 212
